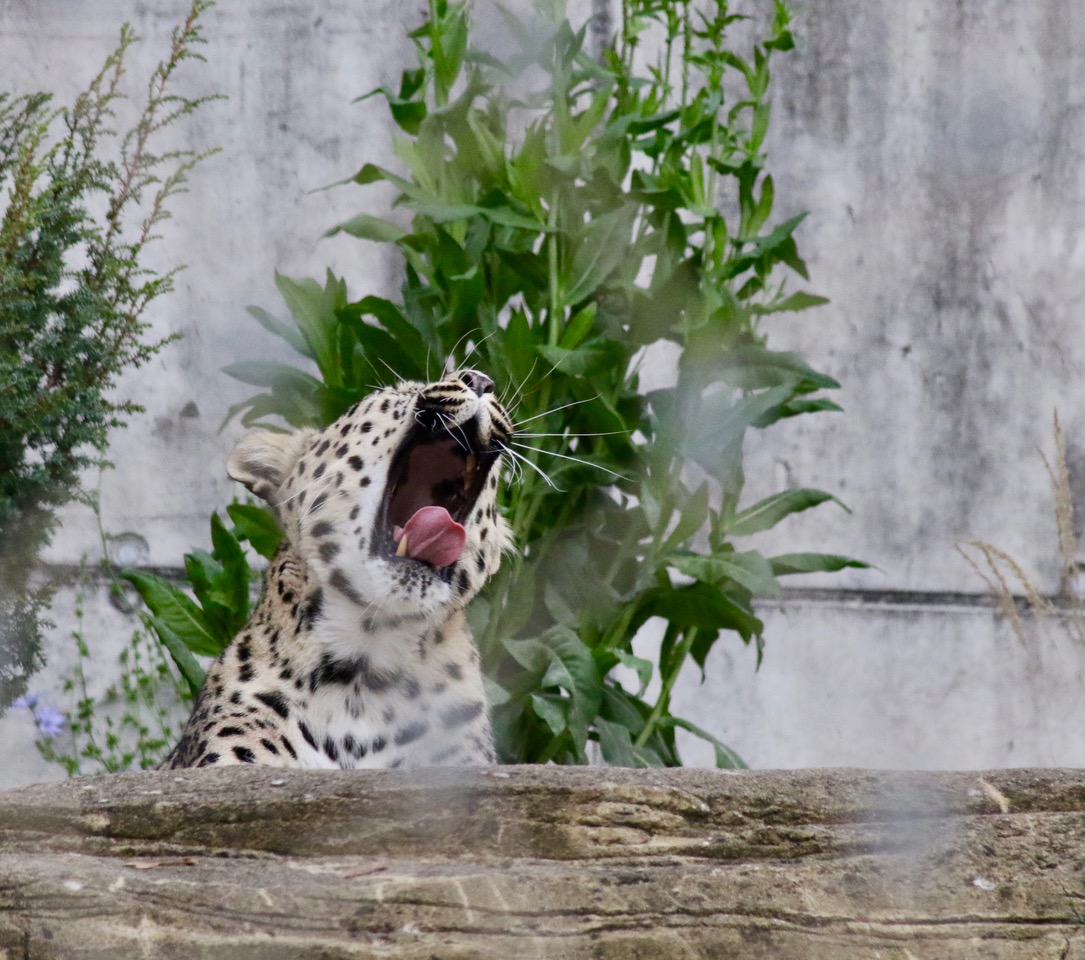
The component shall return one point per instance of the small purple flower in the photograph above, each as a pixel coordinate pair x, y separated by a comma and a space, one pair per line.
50, 721
28, 701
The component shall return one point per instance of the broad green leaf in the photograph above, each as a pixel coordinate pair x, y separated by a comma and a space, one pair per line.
750, 569
411, 348
288, 333
496, 695
643, 668
551, 710
698, 605
174, 608
187, 665
726, 758
578, 327
766, 513
616, 744
601, 246
593, 356
563, 661
800, 300
367, 227
234, 584
257, 525
313, 308
754, 367
266, 373
795, 408
507, 217
694, 513
370, 173
789, 563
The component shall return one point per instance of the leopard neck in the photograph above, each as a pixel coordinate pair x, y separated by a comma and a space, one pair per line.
315, 627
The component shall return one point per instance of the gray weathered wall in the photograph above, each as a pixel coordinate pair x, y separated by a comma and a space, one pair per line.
939, 150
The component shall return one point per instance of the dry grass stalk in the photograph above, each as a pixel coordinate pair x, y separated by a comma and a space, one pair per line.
1001, 568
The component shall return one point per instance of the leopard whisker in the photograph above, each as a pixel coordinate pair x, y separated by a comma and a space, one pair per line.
396, 378
520, 389
534, 466
575, 436
564, 456
477, 344
450, 358
547, 413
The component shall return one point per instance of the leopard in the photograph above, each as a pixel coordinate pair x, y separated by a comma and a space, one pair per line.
358, 653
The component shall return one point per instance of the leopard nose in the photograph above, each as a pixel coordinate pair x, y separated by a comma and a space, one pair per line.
477, 382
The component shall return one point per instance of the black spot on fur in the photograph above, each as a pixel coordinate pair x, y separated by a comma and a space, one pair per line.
454, 670
245, 674
358, 671
356, 463
318, 503
354, 512
331, 749
307, 735
289, 748
208, 759
269, 746
312, 609
343, 450
244, 754
339, 580
460, 714
364, 482
276, 701
366, 426
323, 448
411, 688
328, 550
378, 744
319, 471
446, 754
231, 732
411, 732
321, 529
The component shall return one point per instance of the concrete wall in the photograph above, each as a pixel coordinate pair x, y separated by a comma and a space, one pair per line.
938, 148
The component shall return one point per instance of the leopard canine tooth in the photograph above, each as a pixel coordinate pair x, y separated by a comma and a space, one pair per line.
401, 550
470, 467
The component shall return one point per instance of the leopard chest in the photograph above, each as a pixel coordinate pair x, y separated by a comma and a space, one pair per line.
355, 713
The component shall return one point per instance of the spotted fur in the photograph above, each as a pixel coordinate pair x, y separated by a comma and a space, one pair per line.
355, 657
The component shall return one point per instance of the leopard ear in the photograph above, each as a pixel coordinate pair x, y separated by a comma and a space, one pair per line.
262, 460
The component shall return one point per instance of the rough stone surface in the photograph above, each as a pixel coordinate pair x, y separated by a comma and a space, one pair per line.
546, 862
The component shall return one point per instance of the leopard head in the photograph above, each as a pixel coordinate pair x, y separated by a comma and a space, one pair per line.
393, 507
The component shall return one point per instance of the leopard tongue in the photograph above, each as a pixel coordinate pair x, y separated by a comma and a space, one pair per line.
431, 535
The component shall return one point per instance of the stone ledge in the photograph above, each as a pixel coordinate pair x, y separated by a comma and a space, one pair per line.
562, 862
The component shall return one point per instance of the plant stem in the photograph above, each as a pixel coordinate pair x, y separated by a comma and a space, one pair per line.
663, 701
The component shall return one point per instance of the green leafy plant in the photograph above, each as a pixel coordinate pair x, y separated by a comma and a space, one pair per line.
222, 583
74, 288
561, 216
129, 726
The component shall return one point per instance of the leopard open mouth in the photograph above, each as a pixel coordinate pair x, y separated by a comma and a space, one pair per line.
433, 467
